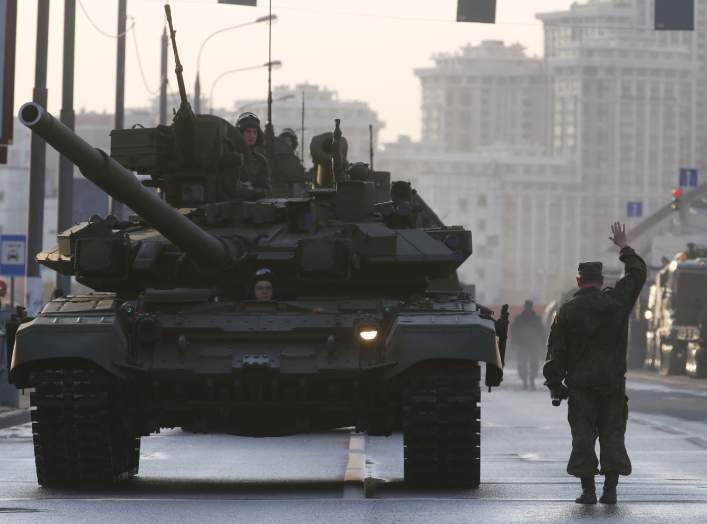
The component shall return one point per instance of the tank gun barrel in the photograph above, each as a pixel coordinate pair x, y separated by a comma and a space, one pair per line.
122, 185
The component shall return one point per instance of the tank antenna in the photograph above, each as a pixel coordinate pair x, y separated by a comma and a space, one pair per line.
185, 110
269, 131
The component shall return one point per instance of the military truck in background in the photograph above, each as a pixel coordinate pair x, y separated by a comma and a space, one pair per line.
676, 304
369, 326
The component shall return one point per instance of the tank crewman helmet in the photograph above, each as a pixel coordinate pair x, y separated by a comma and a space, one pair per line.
288, 132
591, 271
263, 286
247, 120
528, 305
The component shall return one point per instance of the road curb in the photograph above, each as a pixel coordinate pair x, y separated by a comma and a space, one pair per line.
14, 417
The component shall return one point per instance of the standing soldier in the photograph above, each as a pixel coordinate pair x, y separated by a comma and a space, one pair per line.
587, 350
528, 340
254, 176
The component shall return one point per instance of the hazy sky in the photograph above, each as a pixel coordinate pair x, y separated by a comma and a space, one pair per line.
364, 49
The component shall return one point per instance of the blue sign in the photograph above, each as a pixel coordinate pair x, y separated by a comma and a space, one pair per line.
13, 249
689, 177
634, 209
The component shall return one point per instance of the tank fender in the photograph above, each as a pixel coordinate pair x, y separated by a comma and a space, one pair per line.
97, 339
427, 337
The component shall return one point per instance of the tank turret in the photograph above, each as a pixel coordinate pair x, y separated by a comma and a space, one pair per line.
121, 184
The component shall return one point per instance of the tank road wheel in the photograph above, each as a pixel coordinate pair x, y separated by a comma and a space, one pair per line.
441, 431
81, 429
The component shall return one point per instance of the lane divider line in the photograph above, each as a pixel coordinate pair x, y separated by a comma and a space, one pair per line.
354, 476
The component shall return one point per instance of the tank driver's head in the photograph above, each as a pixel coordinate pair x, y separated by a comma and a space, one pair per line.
263, 285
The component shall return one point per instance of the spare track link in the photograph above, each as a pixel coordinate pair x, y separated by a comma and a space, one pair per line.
79, 429
441, 429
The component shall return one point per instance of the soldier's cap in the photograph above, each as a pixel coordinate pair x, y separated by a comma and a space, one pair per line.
591, 271
247, 120
289, 131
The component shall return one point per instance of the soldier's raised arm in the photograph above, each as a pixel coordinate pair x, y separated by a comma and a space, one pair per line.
629, 287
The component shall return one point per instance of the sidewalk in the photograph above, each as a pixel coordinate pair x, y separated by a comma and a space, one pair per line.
674, 381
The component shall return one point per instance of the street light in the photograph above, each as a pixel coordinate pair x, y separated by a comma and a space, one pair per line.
275, 64
264, 102
197, 83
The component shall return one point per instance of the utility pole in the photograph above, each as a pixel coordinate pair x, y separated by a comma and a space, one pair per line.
115, 207
37, 169
164, 53
301, 145
65, 206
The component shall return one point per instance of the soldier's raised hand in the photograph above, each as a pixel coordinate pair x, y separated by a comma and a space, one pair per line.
618, 234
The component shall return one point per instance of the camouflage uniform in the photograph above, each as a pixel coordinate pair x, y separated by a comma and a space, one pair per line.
587, 349
255, 168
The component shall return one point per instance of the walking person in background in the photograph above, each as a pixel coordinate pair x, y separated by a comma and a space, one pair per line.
528, 344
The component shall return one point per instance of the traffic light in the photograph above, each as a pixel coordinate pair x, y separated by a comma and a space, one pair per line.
675, 15
483, 11
677, 195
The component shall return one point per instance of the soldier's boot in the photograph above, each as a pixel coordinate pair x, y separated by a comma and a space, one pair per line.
589, 492
608, 496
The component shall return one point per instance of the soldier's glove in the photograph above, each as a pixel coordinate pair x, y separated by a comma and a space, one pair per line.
558, 393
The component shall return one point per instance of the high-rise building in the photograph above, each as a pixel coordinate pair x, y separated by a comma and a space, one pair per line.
321, 107
485, 95
625, 105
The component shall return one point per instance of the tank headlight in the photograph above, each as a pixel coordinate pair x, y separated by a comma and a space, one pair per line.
366, 330
648, 314
368, 334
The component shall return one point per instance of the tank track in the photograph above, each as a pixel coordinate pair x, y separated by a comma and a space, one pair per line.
441, 431
80, 429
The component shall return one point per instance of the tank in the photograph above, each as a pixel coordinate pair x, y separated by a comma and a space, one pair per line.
367, 327
677, 316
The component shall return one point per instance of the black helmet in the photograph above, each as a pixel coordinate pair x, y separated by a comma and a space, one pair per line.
289, 133
263, 274
247, 120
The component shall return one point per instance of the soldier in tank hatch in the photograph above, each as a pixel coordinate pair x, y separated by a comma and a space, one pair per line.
586, 360
528, 342
289, 136
254, 175
263, 285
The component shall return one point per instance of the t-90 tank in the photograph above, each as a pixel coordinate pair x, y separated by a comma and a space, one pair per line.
368, 325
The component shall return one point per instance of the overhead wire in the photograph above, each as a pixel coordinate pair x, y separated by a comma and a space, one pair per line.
101, 31
143, 76
382, 16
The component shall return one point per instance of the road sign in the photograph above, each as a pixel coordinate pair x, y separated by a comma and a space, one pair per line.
634, 209
12, 255
675, 15
689, 177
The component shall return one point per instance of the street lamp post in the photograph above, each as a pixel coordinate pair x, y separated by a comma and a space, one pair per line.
197, 84
274, 64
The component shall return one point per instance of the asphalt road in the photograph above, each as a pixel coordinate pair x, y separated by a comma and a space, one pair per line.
525, 444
